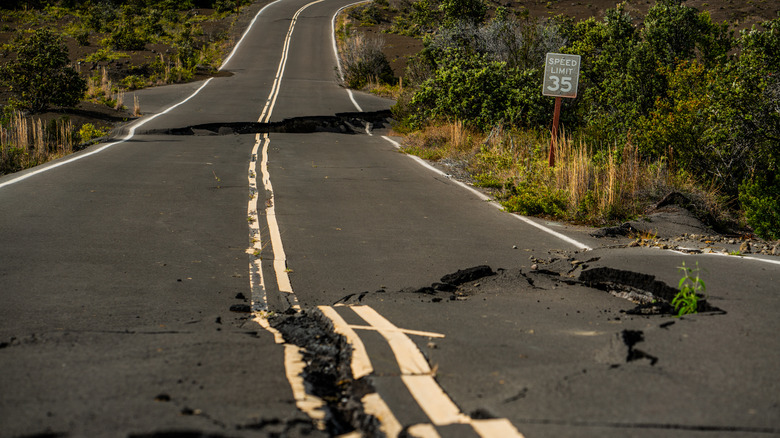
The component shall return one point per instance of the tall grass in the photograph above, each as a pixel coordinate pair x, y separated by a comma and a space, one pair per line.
27, 142
586, 185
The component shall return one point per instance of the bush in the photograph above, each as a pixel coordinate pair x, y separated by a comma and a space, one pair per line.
536, 200
364, 62
761, 203
40, 76
88, 132
126, 35
479, 92
472, 11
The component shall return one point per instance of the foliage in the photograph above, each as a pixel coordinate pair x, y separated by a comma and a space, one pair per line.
760, 201
536, 201
479, 92
126, 36
88, 132
455, 11
40, 76
363, 62
691, 291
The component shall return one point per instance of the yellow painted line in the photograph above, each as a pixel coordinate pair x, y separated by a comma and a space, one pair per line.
432, 399
410, 359
423, 387
361, 364
280, 258
293, 367
373, 404
406, 331
495, 427
423, 431
256, 283
309, 404
260, 319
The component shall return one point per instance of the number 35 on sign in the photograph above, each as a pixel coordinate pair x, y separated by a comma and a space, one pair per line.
561, 75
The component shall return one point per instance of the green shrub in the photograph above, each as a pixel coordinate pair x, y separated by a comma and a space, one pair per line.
40, 76
473, 11
82, 37
536, 200
760, 201
126, 37
479, 92
133, 82
364, 62
88, 132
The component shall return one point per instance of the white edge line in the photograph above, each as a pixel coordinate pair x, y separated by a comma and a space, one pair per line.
248, 28
336, 50
488, 199
718, 254
542, 227
130, 134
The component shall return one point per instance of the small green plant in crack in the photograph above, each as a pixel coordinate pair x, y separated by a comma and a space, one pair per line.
691, 291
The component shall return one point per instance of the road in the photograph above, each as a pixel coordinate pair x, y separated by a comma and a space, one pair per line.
180, 285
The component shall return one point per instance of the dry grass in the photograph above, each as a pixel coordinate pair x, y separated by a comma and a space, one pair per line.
26, 142
588, 186
136, 106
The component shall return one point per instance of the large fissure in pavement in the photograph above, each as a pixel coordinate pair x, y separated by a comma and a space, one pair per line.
328, 373
344, 123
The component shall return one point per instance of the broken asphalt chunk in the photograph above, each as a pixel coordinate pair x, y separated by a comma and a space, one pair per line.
466, 275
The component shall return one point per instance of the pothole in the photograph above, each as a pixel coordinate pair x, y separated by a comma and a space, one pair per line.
653, 297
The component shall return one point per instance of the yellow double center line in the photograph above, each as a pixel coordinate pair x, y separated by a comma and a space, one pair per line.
416, 373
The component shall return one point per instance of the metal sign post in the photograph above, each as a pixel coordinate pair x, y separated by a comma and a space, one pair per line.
561, 78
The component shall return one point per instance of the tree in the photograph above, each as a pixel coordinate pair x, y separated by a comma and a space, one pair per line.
40, 76
473, 11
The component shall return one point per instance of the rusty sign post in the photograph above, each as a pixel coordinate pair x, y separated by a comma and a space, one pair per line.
561, 78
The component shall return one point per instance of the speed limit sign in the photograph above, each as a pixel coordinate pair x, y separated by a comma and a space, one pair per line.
561, 75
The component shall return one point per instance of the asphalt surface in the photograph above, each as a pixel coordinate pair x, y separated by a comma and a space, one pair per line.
118, 272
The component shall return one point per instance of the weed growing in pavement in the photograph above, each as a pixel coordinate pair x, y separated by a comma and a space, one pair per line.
691, 291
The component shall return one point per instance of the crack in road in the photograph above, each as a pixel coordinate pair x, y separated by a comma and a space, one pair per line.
328, 374
344, 123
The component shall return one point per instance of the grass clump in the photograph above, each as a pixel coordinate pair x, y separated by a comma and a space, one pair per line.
26, 142
691, 291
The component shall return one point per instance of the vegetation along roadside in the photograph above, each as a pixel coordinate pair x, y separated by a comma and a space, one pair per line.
673, 96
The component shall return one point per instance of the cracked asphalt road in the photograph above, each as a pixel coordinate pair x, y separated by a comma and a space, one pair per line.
125, 284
